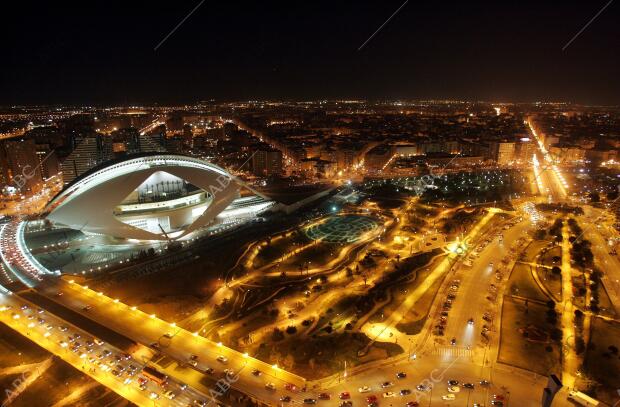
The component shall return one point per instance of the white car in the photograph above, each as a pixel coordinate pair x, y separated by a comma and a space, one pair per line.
448, 397
454, 389
364, 389
222, 359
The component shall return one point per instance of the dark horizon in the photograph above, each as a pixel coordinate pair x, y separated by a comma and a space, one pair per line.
103, 54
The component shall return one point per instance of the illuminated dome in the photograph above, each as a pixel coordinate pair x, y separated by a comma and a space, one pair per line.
149, 197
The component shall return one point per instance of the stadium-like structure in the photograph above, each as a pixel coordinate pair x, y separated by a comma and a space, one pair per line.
152, 197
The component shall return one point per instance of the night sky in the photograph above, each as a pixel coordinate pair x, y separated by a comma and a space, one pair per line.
102, 52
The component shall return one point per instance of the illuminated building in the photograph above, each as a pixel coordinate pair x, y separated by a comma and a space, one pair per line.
151, 197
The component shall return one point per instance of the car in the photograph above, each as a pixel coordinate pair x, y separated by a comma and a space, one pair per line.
229, 373
290, 387
373, 404
453, 341
468, 385
63, 328
345, 395
470, 321
498, 397
270, 386
285, 399
484, 383
324, 396
448, 397
421, 387
401, 375
412, 404
405, 392
256, 372
209, 370
193, 362
309, 401
142, 386
182, 386
222, 359
200, 403
387, 384
88, 308
364, 389
153, 396
98, 341
371, 399
453, 382
454, 389
498, 403
389, 394
346, 403
170, 394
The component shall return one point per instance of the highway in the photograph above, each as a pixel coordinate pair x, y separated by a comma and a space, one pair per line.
173, 341
107, 365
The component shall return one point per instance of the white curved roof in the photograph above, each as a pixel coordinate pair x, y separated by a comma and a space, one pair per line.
89, 202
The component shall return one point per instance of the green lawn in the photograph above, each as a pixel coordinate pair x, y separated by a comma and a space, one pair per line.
600, 363
516, 350
278, 248
522, 284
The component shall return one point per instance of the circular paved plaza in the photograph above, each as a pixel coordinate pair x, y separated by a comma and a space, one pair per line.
342, 229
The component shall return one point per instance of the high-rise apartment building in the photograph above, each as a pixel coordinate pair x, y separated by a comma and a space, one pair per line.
266, 162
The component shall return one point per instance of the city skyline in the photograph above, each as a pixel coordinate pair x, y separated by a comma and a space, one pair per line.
271, 204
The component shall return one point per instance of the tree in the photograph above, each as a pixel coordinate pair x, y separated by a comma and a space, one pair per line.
540, 234
277, 335
595, 197
580, 345
291, 330
556, 270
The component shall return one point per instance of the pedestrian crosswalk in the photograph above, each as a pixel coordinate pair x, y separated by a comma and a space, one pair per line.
453, 351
